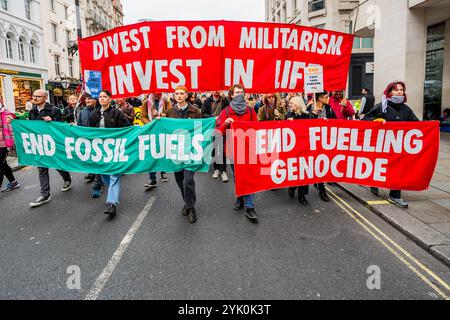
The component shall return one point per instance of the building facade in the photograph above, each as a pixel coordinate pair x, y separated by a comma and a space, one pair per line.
22, 57
411, 44
331, 15
60, 35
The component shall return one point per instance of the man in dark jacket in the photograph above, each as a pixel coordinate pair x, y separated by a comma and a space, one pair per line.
367, 102
185, 178
392, 108
42, 110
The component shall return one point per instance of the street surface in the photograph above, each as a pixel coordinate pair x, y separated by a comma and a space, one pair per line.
150, 251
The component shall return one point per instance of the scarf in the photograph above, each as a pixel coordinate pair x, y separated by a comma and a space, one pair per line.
385, 100
238, 104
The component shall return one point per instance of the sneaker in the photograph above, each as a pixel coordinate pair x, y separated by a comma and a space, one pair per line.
151, 185
110, 210
11, 186
164, 177
192, 215
224, 177
40, 201
251, 215
96, 193
66, 186
239, 204
375, 191
398, 202
184, 211
89, 178
216, 174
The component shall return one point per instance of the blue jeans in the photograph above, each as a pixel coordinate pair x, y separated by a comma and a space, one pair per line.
113, 183
249, 201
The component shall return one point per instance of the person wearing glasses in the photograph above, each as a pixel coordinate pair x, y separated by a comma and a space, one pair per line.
44, 111
185, 178
272, 109
322, 110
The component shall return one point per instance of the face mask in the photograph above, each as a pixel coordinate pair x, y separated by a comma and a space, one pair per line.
397, 99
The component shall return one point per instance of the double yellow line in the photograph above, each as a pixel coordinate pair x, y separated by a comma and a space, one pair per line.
443, 289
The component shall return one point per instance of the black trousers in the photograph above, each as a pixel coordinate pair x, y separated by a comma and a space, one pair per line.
5, 169
186, 183
44, 180
222, 167
302, 191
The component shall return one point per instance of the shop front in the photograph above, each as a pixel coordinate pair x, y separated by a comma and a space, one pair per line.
59, 91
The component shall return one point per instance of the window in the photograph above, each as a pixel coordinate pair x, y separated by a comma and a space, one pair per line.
68, 37
66, 12
21, 50
57, 66
4, 4
316, 5
28, 9
55, 32
32, 52
70, 67
294, 5
9, 47
52, 5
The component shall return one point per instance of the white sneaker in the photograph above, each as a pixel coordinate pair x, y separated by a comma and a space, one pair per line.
224, 177
216, 174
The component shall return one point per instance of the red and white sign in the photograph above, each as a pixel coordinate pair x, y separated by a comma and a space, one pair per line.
281, 154
213, 55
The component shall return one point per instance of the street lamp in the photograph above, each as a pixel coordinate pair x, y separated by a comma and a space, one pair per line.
65, 83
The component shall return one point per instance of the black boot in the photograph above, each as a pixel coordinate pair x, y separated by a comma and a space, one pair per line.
291, 192
239, 204
111, 210
192, 215
251, 215
324, 196
302, 200
184, 211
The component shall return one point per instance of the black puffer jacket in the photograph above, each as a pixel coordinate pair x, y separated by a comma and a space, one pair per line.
394, 112
114, 118
48, 111
328, 112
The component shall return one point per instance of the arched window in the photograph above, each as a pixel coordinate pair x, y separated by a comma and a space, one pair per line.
33, 51
9, 47
21, 50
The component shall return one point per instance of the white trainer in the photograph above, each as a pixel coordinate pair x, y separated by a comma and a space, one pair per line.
216, 174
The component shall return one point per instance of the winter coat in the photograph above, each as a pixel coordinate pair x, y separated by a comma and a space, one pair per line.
341, 112
48, 111
394, 112
207, 110
114, 118
190, 112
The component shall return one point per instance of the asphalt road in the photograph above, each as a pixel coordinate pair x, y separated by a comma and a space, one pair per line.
319, 252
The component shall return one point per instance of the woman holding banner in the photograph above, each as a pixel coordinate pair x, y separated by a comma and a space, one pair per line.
297, 111
6, 142
109, 117
322, 110
392, 108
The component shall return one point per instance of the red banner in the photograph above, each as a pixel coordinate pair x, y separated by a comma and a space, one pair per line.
281, 154
213, 55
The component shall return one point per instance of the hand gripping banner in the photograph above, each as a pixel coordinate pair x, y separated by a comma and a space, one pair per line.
281, 154
212, 55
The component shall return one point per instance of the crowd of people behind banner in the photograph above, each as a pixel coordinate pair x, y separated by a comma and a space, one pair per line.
234, 106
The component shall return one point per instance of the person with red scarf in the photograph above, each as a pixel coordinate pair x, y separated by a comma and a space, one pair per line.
342, 108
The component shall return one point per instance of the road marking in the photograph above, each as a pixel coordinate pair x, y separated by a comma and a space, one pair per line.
402, 250
109, 269
378, 202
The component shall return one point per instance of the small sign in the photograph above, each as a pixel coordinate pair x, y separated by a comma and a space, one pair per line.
370, 67
314, 79
93, 82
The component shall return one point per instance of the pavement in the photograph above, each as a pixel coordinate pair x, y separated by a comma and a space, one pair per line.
427, 220
334, 250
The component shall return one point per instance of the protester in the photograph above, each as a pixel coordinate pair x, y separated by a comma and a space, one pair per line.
127, 109
44, 111
81, 103
342, 108
6, 143
238, 111
69, 111
271, 110
84, 120
322, 110
393, 108
155, 105
109, 117
297, 111
185, 178
367, 102
192, 99
212, 107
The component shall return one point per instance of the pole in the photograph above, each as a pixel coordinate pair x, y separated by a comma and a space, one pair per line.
79, 36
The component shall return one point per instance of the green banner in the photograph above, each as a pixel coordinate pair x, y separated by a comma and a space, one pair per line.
168, 145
